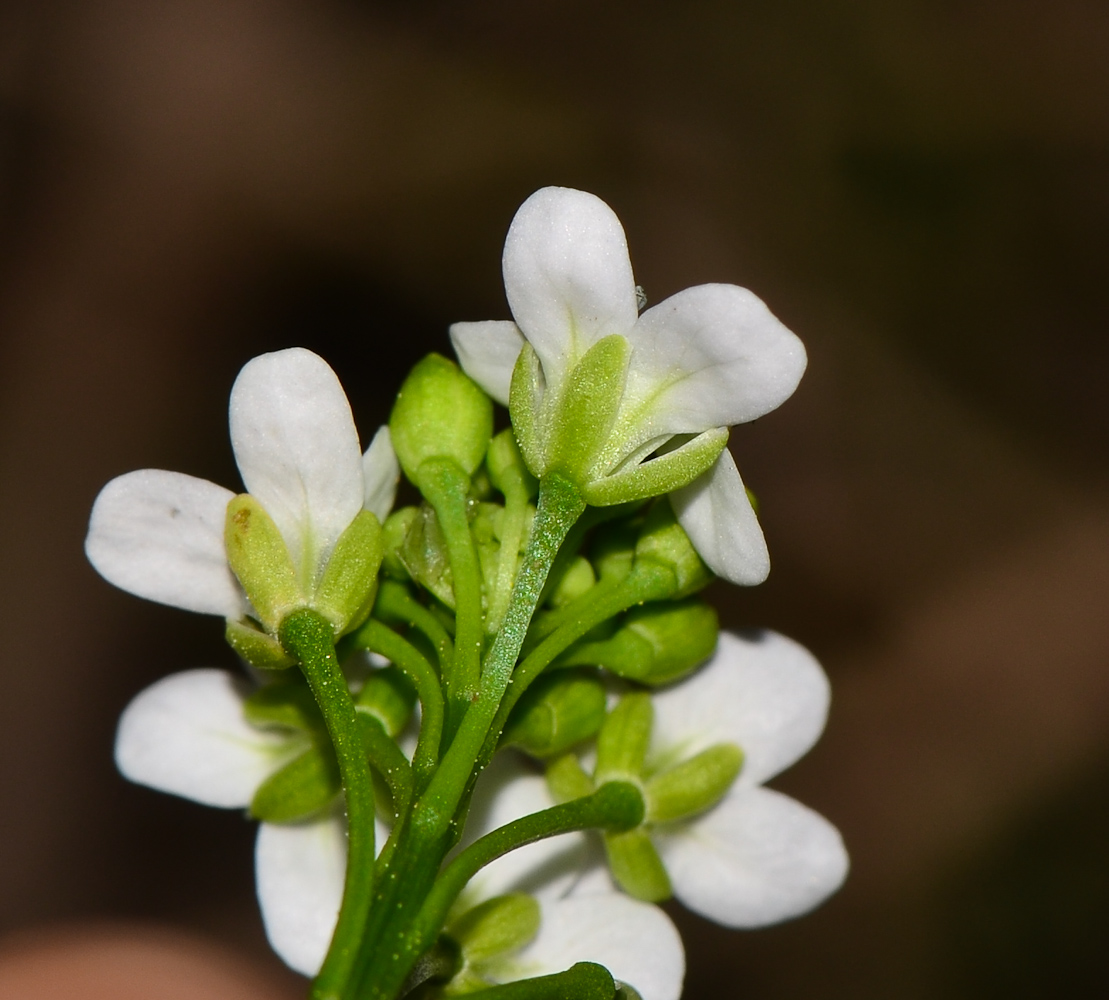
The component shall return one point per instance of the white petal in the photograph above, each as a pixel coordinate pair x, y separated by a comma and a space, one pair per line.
160, 535
758, 858
635, 941
567, 275
380, 474
506, 791
718, 517
763, 692
300, 869
487, 353
186, 735
297, 449
711, 356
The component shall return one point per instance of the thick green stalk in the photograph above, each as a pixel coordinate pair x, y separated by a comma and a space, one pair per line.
309, 638
388, 760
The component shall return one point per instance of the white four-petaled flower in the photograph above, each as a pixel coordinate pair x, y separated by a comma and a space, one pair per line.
705, 358
758, 856
160, 534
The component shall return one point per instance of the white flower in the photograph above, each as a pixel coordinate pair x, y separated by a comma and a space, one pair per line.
186, 734
582, 918
160, 534
704, 359
758, 856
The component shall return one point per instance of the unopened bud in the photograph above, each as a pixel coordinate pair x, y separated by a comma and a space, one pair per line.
440, 413
556, 712
663, 540
388, 696
656, 643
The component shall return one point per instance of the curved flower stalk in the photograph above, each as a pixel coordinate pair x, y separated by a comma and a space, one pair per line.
161, 535
596, 389
738, 853
579, 920
187, 735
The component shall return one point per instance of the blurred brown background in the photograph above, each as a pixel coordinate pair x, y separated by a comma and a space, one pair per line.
919, 188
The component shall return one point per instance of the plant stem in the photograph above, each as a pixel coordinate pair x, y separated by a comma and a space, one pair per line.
394, 603
309, 638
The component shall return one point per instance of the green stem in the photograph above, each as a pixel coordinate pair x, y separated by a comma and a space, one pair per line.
446, 487
560, 505
379, 638
394, 603
512, 534
388, 761
616, 806
309, 638
648, 581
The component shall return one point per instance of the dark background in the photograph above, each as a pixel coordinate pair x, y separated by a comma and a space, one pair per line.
919, 188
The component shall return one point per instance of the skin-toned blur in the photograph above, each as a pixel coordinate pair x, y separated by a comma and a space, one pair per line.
918, 189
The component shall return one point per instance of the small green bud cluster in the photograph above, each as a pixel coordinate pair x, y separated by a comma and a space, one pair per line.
672, 791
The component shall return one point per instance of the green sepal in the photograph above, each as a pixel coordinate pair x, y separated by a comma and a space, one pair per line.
346, 592
256, 647
393, 534
693, 785
557, 711
260, 559
525, 401
624, 739
656, 643
667, 472
498, 926
575, 580
506, 466
566, 780
579, 426
424, 554
287, 704
440, 412
389, 697
302, 788
663, 540
636, 866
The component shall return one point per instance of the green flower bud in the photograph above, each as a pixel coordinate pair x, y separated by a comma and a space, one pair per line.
556, 712
260, 559
424, 555
256, 647
440, 413
656, 643
614, 551
574, 581
345, 593
287, 704
393, 533
499, 926
388, 696
693, 785
302, 788
663, 540
624, 739
566, 780
636, 866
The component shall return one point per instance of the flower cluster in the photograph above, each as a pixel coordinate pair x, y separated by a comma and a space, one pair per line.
487, 733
